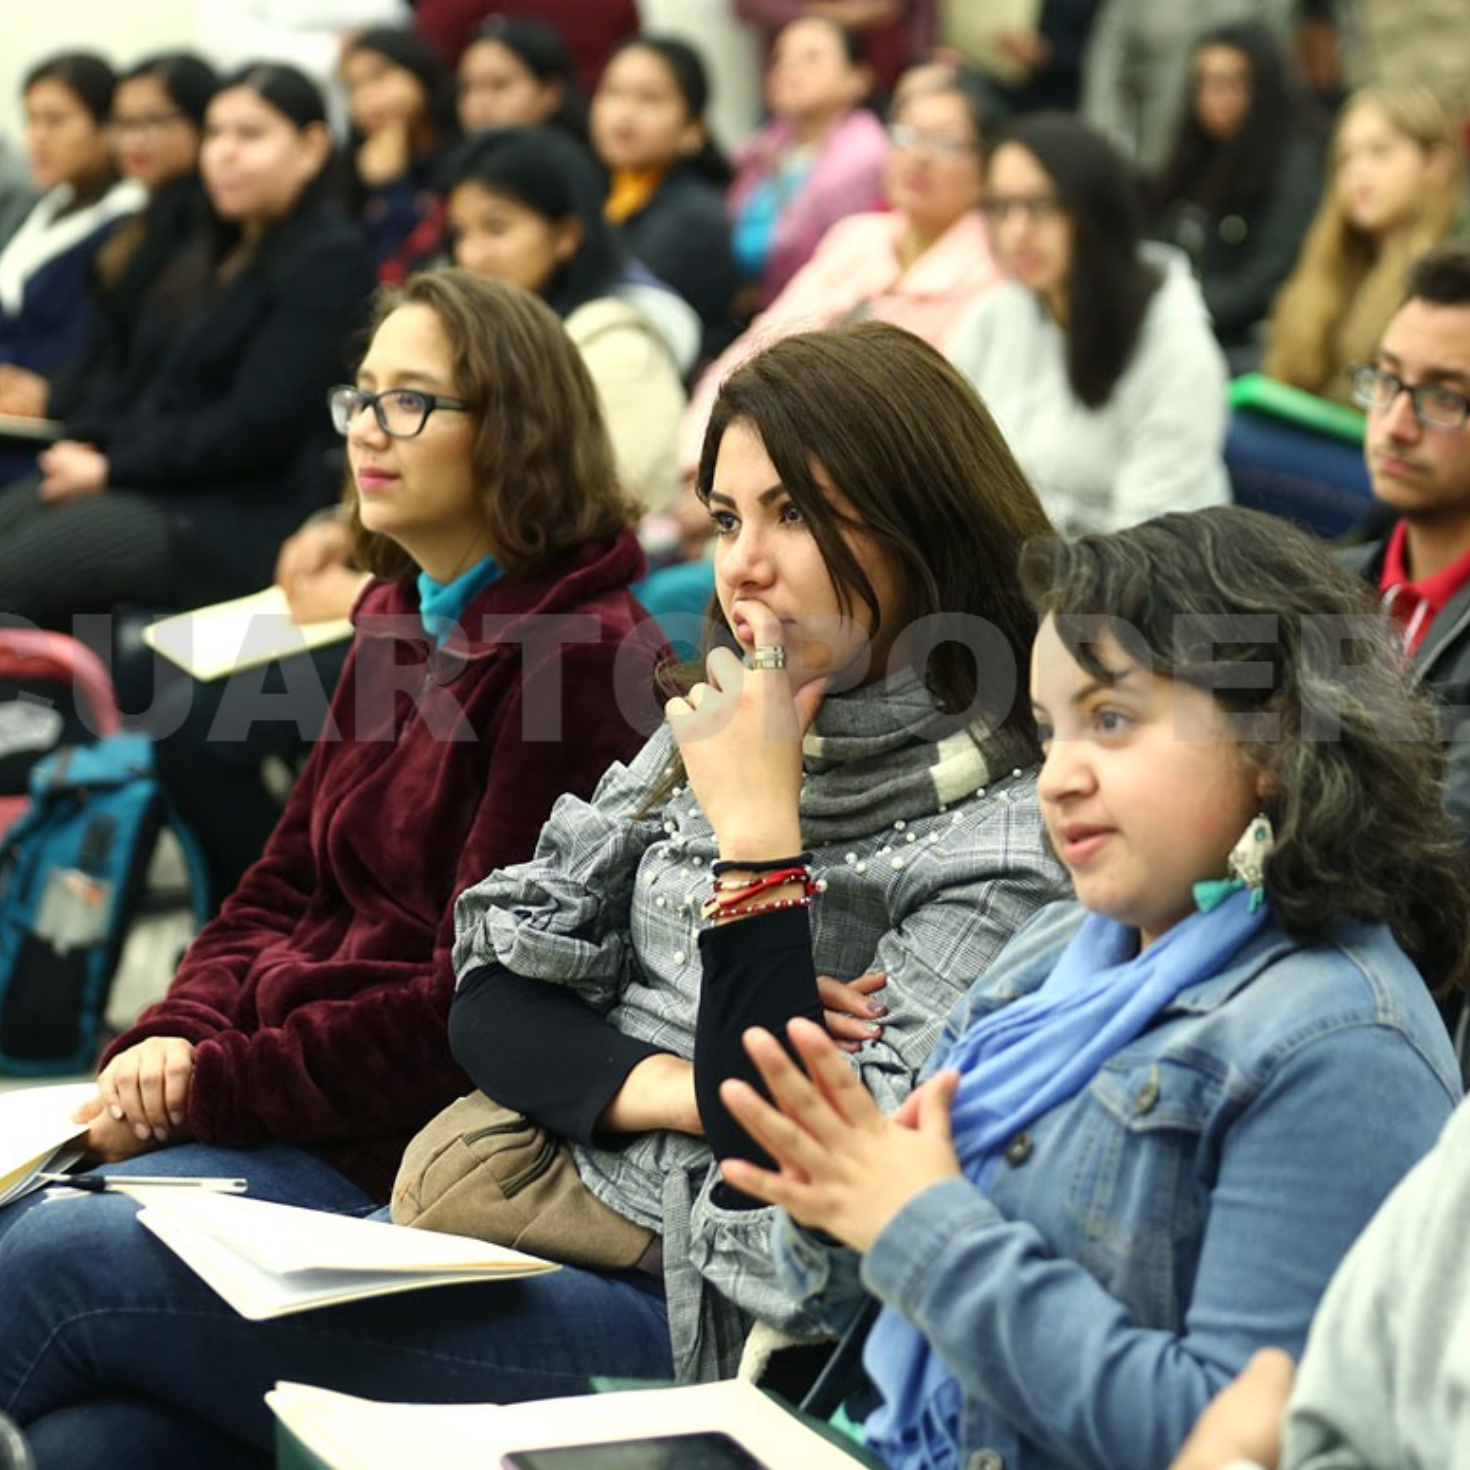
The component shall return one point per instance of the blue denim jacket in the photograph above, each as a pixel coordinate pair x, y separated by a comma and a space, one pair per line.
1187, 1207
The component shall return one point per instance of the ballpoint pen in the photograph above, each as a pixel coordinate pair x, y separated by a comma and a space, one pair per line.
112, 1183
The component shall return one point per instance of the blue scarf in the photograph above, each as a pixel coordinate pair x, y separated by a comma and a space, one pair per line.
442, 604
1016, 1064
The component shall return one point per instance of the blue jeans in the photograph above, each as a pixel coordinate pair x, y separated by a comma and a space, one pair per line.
113, 1352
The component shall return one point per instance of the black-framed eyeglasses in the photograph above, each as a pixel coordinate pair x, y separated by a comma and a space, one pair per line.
401, 412
1435, 406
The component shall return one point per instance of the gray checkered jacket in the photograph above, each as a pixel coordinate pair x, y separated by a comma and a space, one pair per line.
933, 855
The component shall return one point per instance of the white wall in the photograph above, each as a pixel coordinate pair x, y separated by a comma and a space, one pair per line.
121, 30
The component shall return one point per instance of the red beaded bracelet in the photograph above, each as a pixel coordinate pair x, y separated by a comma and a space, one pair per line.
744, 910
726, 897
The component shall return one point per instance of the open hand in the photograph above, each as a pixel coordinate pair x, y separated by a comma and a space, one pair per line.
843, 1166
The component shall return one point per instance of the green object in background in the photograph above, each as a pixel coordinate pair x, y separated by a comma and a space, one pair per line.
1260, 394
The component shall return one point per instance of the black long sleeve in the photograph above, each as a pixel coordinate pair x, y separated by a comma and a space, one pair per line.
757, 972
539, 1049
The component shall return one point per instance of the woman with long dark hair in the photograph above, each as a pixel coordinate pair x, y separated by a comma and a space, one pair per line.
1097, 357
1238, 192
179, 490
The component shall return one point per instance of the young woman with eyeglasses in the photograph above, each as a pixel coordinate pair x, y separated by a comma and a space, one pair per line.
582, 970
156, 127
499, 661
1097, 357
179, 489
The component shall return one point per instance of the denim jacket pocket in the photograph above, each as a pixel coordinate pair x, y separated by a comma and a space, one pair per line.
1136, 1196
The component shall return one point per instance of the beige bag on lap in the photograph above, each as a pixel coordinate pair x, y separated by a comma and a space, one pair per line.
481, 1170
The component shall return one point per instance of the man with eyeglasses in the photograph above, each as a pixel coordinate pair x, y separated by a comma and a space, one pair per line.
1417, 396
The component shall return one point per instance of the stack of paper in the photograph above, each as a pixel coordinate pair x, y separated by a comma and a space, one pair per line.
349, 1433
37, 1134
225, 637
267, 1259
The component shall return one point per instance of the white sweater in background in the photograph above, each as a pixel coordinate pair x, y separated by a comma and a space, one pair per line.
1154, 446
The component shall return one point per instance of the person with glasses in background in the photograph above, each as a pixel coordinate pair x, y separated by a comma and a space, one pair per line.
918, 264
1097, 358
499, 660
1416, 392
177, 488
156, 129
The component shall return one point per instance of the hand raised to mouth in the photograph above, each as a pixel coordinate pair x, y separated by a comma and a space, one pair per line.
740, 734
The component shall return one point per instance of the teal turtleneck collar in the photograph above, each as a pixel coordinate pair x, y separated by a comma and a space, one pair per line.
442, 604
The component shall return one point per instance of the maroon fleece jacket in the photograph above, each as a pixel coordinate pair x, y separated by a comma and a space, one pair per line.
317, 999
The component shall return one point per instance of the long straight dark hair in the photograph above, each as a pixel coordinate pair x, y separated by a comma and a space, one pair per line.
1111, 284
1232, 174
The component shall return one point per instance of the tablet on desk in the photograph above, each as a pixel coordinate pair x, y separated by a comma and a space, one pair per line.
709, 1450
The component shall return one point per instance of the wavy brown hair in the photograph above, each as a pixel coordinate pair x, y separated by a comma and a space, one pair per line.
1333, 307
1260, 615
543, 461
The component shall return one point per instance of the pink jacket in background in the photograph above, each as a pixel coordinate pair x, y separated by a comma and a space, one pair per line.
846, 178
854, 274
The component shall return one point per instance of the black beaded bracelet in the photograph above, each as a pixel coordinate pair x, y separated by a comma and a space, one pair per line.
759, 865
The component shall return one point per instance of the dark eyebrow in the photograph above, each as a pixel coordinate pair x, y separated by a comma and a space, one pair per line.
1116, 678
1431, 375
428, 382
764, 498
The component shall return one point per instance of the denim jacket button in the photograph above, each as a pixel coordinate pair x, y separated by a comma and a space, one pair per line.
1148, 1094
985, 1460
1018, 1150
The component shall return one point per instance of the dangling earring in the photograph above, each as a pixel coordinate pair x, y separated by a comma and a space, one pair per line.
1246, 865
1247, 860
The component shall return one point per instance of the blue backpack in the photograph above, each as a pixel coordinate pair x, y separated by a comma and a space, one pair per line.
72, 871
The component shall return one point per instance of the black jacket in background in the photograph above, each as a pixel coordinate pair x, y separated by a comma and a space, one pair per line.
220, 406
